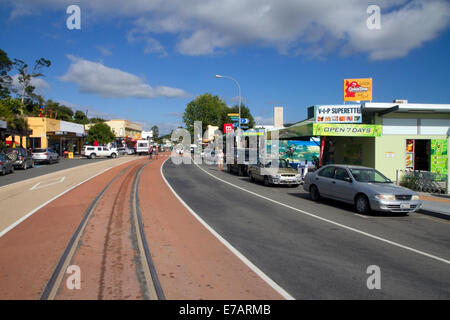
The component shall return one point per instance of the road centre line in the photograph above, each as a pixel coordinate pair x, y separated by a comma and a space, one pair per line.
7, 229
333, 222
244, 259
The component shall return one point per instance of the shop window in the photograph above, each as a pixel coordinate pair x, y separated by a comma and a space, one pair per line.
422, 155
35, 143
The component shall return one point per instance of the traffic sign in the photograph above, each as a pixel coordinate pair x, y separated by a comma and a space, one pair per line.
228, 127
244, 127
245, 121
236, 124
233, 114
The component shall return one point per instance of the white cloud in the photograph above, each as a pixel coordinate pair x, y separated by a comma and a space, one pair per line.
94, 77
311, 28
104, 51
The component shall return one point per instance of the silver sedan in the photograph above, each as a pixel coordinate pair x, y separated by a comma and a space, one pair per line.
366, 188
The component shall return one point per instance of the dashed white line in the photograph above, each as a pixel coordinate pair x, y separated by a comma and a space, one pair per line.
332, 222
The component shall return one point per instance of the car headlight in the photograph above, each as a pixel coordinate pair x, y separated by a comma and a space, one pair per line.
415, 198
385, 197
276, 176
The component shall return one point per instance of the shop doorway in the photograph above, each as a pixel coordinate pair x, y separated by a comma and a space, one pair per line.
422, 155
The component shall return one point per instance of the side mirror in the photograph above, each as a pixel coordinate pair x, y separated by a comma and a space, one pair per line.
348, 179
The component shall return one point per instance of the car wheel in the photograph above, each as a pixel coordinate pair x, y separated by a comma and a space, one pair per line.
92, 156
314, 193
266, 181
3, 171
362, 205
229, 168
250, 175
12, 169
113, 155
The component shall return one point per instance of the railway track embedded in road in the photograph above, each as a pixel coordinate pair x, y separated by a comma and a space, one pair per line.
145, 269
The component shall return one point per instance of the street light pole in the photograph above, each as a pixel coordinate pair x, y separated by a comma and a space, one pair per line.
239, 91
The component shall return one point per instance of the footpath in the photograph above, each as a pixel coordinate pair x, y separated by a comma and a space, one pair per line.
436, 205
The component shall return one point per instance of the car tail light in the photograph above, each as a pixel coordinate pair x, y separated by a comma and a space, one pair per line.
46, 154
1, 163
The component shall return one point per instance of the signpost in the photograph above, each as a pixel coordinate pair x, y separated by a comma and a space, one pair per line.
347, 130
245, 121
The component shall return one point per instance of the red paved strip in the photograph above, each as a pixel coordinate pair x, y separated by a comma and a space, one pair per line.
30, 252
191, 263
435, 199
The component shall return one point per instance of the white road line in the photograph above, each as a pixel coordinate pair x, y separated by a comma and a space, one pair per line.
7, 229
246, 261
333, 222
46, 183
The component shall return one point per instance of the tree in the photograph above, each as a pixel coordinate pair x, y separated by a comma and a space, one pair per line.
5, 79
9, 112
100, 132
96, 120
80, 117
155, 130
25, 77
208, 109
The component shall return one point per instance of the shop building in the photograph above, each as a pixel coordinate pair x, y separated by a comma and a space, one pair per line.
56, 134
125, 129
385, 136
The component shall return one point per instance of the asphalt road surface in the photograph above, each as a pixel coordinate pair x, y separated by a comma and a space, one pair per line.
319, 250
42, 169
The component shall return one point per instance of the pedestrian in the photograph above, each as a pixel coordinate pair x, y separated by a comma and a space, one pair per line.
220, 156
150, 151
156, 152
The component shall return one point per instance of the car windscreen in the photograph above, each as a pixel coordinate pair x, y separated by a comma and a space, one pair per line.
369, 175
39, 150
142, 145
281, 163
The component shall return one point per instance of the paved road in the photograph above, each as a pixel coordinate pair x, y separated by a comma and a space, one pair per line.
323, 251
41, 169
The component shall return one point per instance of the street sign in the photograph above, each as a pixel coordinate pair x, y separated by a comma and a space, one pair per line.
245, 121
236, 124
233, 114
244, 127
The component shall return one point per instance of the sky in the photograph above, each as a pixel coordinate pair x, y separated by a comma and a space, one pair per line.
145, 60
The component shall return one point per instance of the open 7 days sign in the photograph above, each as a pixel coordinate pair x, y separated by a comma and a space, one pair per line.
355, 130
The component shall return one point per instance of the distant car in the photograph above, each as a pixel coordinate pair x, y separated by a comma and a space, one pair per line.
6, 165
269, 172
366, 188
22, 158
93, 152
47, 155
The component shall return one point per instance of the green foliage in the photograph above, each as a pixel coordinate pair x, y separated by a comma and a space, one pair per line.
80, 117
100, 132
96, 120
25, 76
208, 109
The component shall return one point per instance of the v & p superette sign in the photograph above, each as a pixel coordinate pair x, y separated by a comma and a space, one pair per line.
338, 114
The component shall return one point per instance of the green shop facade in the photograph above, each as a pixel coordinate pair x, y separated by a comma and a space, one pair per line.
390, 137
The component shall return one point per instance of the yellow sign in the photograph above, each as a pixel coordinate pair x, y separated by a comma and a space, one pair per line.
233, 114
358, 89
70, 154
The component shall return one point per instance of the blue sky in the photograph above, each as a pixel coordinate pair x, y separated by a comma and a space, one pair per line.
144, 61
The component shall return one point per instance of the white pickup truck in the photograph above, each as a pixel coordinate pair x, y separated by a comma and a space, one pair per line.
92, 152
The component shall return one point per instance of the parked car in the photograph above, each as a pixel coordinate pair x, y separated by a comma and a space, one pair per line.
366, 188
93, 152
269, 172
6, 165
47, 155
22, 158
